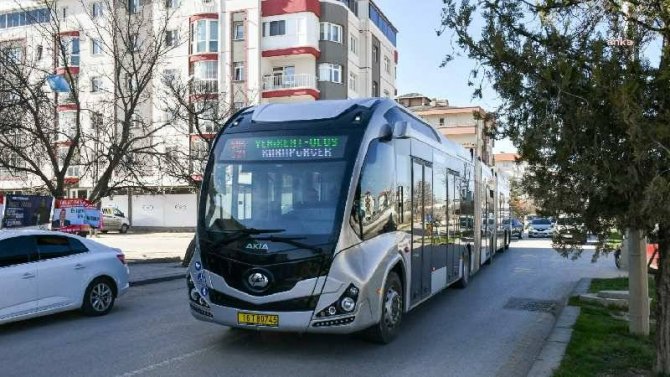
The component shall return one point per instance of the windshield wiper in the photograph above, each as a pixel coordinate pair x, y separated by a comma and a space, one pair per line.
243, 233
291, 241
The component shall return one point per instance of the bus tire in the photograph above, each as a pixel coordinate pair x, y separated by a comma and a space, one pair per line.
391, 312
465, 272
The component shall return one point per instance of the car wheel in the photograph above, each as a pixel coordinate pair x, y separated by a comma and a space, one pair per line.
124, 229
391, 312
465, 272
99, 297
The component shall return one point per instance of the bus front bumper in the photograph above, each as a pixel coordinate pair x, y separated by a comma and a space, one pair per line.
300, 322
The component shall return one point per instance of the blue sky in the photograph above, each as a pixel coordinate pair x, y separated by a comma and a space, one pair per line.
421, 52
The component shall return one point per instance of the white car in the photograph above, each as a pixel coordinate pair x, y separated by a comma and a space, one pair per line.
540, 228
45, 272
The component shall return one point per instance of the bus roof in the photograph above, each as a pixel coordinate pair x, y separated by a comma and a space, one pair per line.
315, 110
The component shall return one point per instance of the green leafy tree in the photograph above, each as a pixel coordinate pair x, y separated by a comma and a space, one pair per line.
587, 111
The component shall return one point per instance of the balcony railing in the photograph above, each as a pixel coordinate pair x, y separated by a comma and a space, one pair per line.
205, 86
279, 82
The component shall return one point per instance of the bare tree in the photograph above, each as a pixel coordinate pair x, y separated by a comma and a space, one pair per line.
99, 129
196, 110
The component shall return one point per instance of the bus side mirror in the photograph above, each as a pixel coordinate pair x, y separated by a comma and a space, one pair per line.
400, 130
386, 133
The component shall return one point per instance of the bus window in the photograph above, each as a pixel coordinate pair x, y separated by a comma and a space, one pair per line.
373, 213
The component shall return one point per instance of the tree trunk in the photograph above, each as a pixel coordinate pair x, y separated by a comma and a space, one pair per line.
663, 303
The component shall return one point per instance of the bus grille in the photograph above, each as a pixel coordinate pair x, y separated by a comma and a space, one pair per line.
301, 304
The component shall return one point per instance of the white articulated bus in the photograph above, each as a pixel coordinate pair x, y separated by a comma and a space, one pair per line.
337, 217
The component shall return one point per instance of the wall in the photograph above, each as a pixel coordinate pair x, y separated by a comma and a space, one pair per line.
167, 211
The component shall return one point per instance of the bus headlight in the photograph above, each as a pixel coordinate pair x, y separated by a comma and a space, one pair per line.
348, 304
344, 305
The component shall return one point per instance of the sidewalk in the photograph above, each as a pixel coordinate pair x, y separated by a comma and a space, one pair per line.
150, 273
148, 246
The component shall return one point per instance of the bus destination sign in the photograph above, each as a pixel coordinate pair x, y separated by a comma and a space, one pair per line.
284, 148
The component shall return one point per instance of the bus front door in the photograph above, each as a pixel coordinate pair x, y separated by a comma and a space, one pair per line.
422, 218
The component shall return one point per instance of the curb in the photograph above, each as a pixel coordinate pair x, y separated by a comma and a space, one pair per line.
155, 260
161, 279
553, 351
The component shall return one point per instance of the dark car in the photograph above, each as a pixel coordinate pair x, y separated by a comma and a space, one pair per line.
516, 228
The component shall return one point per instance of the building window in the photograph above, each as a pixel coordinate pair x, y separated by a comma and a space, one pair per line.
134, 6
375, 54
134, 43
206, 77
205, 36
353, 44
353, 81
238, 71
39, 52
375, 89
273, 28
70, 48
64, 12
387, 64
96, 9
96, 47
169, 75
330, 72
387, 94
171, 38
238, 31
22, 18
96, 84
331, 32
171, 4
441, 122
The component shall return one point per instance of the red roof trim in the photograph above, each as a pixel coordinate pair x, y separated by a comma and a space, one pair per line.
63, 70
67, 107
74, 33
203, 135
203, 57
203, 16
292, 51
71, 180
279, 7
292, 92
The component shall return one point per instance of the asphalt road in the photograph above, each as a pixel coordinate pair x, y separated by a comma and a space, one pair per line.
471, 332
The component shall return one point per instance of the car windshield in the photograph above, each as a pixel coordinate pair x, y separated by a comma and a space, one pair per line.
541, 222
261, 183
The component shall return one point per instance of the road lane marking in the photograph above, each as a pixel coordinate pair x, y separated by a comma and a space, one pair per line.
163, 363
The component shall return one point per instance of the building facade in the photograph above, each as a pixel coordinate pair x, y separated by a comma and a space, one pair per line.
238, 52
464, 125
509, 164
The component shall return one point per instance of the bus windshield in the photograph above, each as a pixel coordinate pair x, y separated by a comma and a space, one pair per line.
288, 186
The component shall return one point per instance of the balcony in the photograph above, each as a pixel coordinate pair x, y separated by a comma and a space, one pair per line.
290, 85
204, 87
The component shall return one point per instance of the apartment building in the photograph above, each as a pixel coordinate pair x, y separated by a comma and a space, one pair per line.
509, 164
238, 52
465, 125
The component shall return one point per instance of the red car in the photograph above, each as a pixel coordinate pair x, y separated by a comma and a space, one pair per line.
652, 257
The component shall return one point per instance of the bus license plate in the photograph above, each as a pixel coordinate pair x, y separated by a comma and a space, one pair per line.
271, 320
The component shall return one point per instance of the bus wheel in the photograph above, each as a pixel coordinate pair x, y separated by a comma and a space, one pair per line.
391, 314
465, 273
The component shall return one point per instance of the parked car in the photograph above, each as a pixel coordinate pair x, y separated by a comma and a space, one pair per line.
44, 272
570, 229
540, 227
516, 227
114, 220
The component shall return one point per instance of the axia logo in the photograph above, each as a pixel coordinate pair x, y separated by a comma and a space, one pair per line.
257, 246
